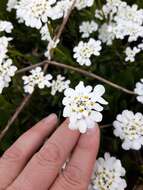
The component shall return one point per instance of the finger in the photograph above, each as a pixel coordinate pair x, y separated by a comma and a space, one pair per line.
46, 164
78, 172
15, 158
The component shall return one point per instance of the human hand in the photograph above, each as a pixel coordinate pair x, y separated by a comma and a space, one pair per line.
23, 168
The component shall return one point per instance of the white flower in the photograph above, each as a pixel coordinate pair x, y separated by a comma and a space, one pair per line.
108, 174
85, 50
82, 106
140, 46
7, 70
6, 26
51, 45
106, 35
127, 20
129, 127
4, 41
11, 4
131, 53
60, 9
86, 28
45, 33
139, 91
60, 84
36, 78
81, 4
34, 12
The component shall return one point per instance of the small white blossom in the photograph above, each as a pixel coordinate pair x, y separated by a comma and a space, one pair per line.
34, 12
129, 127
106, 35
108, 174
11, 4
87, 28
7, 70
85, 50
6, 26
59, 85
45, 33
140, 46
127, 20
139, 91
51, 45
60, 9
81, 4
4, 42
131, 53
36, 78
82, 106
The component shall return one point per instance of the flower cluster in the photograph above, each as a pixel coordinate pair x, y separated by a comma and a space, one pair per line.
7, 70
35, 13
131, 53
85, 50
87, 28
82, 106
36, 78
124, 21
81, 4
105, 34
129, 127
139, 91
4, 42
6, 26
59, 85
108, 174
11, 4
45, 33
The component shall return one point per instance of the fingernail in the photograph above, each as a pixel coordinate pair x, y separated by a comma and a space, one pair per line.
92, 130
51, 118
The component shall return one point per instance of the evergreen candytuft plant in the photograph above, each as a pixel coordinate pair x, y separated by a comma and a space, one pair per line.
54, 55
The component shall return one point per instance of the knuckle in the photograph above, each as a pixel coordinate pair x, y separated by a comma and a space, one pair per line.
13, 154
49, 155
74, 178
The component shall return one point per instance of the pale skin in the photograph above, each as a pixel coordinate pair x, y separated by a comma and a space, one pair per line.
31, 164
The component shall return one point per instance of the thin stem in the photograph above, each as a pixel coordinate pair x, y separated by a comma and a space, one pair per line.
82, 71
14, 116
105, 126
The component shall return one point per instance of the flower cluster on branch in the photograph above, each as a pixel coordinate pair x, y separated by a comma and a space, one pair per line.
82, 104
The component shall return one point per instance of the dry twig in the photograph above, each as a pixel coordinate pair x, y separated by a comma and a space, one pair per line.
82, 71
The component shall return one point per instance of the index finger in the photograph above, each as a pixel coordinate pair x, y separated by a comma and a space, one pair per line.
16, 157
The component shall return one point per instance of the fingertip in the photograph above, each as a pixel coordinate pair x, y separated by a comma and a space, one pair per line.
91, 138
94, 130
52, 118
